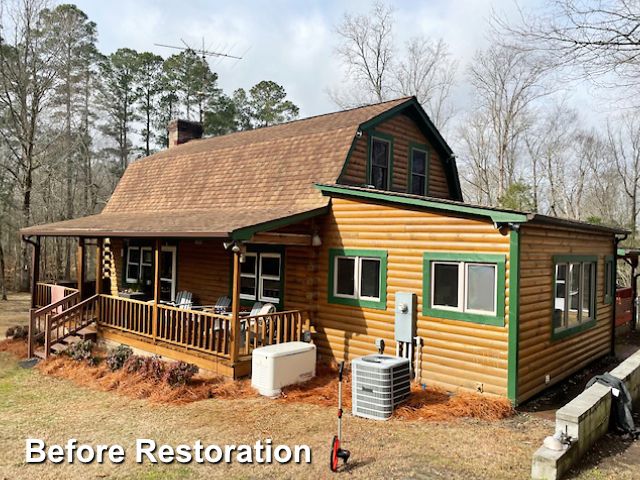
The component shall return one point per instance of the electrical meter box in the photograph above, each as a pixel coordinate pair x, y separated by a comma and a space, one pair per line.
406, 312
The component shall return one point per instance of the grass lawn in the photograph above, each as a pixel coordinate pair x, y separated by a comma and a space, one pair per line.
14, 311
34, 405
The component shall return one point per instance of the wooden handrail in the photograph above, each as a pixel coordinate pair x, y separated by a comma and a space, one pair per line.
53, 306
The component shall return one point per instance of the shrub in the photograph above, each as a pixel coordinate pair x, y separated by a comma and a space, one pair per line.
153, 368
117, 357
179, 373
82, 351
133, 364
18, 332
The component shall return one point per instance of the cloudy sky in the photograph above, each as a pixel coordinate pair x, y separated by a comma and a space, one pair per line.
289, 42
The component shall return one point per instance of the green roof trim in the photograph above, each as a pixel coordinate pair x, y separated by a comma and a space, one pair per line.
248, 232
427, 203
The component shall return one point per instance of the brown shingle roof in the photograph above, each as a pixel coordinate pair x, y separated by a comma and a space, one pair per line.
221, 184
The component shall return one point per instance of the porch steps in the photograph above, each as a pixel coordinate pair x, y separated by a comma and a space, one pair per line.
86, 333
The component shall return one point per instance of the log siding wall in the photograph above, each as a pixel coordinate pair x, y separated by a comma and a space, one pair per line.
456, 353
404, 131
538, 354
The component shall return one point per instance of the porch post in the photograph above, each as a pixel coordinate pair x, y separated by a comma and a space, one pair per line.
98, 266
235, 310
35, 271
80, 268
156, 286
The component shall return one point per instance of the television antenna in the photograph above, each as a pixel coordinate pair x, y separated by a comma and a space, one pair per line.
203, 53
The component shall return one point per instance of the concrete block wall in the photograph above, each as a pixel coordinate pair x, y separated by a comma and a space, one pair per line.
585, 419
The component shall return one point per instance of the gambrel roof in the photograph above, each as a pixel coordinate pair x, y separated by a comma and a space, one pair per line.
218, 187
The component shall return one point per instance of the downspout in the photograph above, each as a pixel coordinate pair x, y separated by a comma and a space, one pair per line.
619, 239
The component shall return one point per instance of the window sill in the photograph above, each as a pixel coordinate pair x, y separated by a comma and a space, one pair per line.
567, 332
497, 321
354, 302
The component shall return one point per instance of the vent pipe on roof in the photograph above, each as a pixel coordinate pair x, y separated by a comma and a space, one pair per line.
181, 131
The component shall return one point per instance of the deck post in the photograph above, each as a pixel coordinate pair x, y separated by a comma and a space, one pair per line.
80, 268
98, 266
35, 271
157, 253
235, 310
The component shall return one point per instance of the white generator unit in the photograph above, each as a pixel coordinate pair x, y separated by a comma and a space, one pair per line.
378, 384
277, 366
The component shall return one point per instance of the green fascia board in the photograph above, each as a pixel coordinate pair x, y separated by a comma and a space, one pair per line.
513, 355
495, 216
499, 260
431, 132
609, 259
425, 148
248, 232
355, 302
581, 327
373, 134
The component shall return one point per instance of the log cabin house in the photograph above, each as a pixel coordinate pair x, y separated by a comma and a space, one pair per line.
328, 218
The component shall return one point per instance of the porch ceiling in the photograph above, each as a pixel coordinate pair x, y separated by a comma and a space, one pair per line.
219, 223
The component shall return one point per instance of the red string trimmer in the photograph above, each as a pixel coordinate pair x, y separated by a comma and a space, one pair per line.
336, 451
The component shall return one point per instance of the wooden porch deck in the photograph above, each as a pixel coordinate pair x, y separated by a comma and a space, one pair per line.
203, 338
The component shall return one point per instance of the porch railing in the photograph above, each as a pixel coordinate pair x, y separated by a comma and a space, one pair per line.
43, 293
195, 330
278, 327
70, 321
127, 315
38, 318
198, 331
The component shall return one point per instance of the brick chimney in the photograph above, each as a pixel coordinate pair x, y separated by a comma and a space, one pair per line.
181, 131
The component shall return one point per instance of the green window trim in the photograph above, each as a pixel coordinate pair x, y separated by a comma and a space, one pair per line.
499, 260
385, 137
425, 148
564, 332
356, 302
610, 281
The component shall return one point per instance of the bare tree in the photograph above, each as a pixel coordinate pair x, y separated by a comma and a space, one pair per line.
600, 37
624, 147
367, 49
428, 72
507, 84
377, 70
28, 72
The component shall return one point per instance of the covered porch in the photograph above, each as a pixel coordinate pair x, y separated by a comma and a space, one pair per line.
137, 278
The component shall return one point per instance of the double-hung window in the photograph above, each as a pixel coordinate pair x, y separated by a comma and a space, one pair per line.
358, 277
261, 277
418, 169
139, 265
380, 160
464, 287
574, 303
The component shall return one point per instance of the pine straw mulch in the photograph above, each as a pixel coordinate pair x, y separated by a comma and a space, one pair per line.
429, 404
18, 347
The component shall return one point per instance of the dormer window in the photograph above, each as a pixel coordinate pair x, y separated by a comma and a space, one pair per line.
418, 169
380, 161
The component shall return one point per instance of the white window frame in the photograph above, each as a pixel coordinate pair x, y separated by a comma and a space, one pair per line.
145, 264
172, 280
137, 264
463, 287
261, 277
357, 278
371, 165
567, 299
244, 296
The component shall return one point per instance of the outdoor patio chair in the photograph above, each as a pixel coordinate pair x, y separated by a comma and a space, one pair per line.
222, 305
184, 300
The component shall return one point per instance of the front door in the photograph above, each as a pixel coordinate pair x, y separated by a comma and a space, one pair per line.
168, 274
